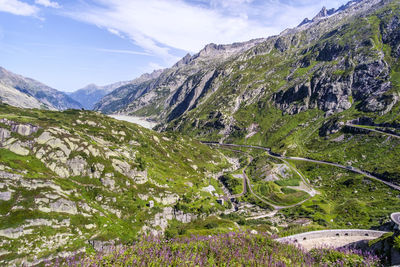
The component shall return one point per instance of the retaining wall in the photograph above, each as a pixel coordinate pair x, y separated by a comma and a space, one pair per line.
331, 233
395, 218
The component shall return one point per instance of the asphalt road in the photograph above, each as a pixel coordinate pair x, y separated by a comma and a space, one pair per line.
349, 168
372, 130
247, 184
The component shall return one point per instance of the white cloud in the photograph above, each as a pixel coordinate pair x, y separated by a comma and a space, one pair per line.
159, 25
47, 3
17, 7
118, 51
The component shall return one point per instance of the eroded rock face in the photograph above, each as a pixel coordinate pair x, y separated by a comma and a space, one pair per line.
331, 127
78, 166
14, 233
44, 137
332, 93
161, 219
4, 134
140, 177
167, 199
382, 104
63, 205
370, 78
391, 34
108, 182
24, 129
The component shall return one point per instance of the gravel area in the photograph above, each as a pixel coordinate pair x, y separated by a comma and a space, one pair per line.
141, 121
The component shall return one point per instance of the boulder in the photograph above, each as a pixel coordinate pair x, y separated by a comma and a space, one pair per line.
17, 148
108, 182
64, 206
77, 166
44, 138
168, 199
5, 196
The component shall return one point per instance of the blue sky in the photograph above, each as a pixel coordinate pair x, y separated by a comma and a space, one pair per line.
69, 44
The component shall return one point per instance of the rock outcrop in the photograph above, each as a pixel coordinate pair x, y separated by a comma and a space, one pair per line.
62, 184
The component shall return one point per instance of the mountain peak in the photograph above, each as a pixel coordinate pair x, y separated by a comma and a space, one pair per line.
324, 12
184, 61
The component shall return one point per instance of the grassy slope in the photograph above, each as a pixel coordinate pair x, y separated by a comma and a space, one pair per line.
169, 159
298, 135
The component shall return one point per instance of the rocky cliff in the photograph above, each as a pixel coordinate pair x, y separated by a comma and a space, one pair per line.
166, 94
339, 58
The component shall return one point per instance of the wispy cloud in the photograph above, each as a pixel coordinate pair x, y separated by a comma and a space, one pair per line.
48, 3
159, 25
118, 51
17, 7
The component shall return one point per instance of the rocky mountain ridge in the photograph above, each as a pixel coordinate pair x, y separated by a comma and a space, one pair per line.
193, 81
328, 12
157, 96
33, 93
92, 93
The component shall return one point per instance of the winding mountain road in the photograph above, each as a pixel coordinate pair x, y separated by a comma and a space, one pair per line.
349, 168
372, 130
247, 184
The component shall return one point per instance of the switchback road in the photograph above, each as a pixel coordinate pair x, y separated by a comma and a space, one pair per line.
349, 168
247, 183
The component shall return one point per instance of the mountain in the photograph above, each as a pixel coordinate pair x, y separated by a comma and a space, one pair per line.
296, 93
311, 47
159, 93
34, 94
16, 98
302, 132
76, 182
122, 95
91, 94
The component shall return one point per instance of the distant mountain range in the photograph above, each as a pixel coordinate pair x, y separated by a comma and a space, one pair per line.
25, 92
92, 93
